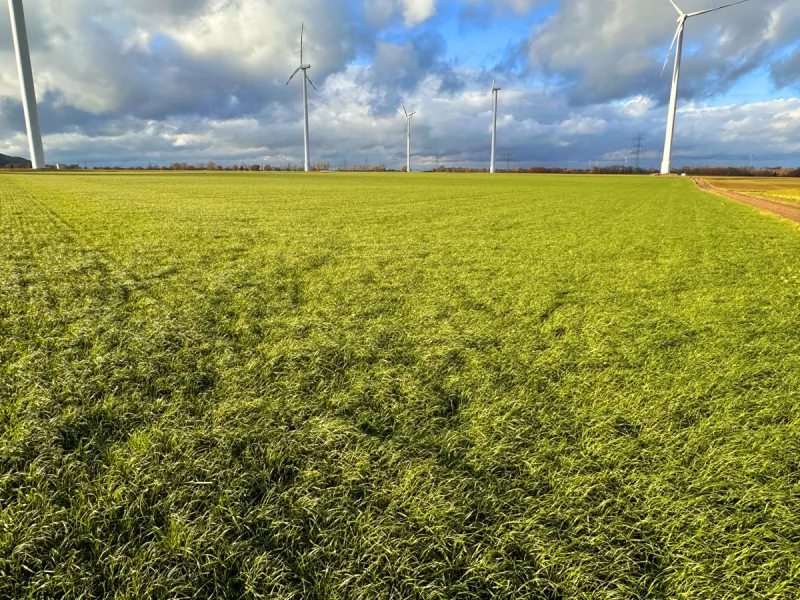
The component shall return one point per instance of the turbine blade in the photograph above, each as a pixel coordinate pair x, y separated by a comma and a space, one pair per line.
404, 109
312, 83
674, 39
702, 12
412, 114
302, 31
292, 77
680, 12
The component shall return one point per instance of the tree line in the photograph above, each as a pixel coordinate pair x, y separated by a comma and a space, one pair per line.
741, 172
707, 171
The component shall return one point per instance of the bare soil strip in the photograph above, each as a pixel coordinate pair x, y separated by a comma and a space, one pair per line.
787, 211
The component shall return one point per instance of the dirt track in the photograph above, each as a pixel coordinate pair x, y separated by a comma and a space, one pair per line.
782, 209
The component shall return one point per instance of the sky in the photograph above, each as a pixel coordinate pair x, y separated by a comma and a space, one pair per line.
138, 82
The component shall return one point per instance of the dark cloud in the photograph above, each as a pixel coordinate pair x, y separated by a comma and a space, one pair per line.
786, 71
400, 68
608, 50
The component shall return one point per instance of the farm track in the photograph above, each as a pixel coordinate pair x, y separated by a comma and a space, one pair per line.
781, 209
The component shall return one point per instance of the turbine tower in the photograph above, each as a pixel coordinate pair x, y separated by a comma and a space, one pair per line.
673, 101
408, 137
304, 68
495, 91
20, 34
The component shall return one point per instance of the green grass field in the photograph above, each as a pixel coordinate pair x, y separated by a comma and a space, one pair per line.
395, 386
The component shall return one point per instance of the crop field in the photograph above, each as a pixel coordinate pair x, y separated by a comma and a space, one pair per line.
778, 188
791, 195
361, 386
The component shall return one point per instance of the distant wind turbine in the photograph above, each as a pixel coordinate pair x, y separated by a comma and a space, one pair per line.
304, 68
673, 101
20, 34
495, 95
408, 137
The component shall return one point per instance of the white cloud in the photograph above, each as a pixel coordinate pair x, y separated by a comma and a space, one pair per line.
584, 126
638, 106
138, 41
417, 11
612, 49
414, 12
518, 6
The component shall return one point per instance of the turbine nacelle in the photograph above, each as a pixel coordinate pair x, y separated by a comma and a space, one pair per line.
304, 67
680, 12
677, 44
409, 116
494, 83
495, 99
683, 17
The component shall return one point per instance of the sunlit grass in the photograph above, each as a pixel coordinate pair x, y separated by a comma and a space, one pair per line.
396, 386
787, 195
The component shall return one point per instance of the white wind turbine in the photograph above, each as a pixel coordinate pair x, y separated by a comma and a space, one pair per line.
20, 34
304, 68
408, 137
495, 94
673, 101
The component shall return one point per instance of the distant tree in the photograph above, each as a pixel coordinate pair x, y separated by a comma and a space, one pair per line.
255, 167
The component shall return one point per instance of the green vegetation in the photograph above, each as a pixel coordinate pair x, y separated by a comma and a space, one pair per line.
395, 386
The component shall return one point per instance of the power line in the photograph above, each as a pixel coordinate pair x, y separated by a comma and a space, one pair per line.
509, 158
638, 149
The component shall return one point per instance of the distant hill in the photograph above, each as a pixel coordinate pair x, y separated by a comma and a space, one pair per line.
14, 161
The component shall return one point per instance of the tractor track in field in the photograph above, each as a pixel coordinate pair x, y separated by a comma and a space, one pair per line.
782, 209
70, 233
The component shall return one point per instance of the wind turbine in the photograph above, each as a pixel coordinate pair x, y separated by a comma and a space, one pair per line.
495, 91
673, 101
304, 68
408, 137
20, 34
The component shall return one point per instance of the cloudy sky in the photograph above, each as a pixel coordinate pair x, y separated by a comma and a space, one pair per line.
135, 82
